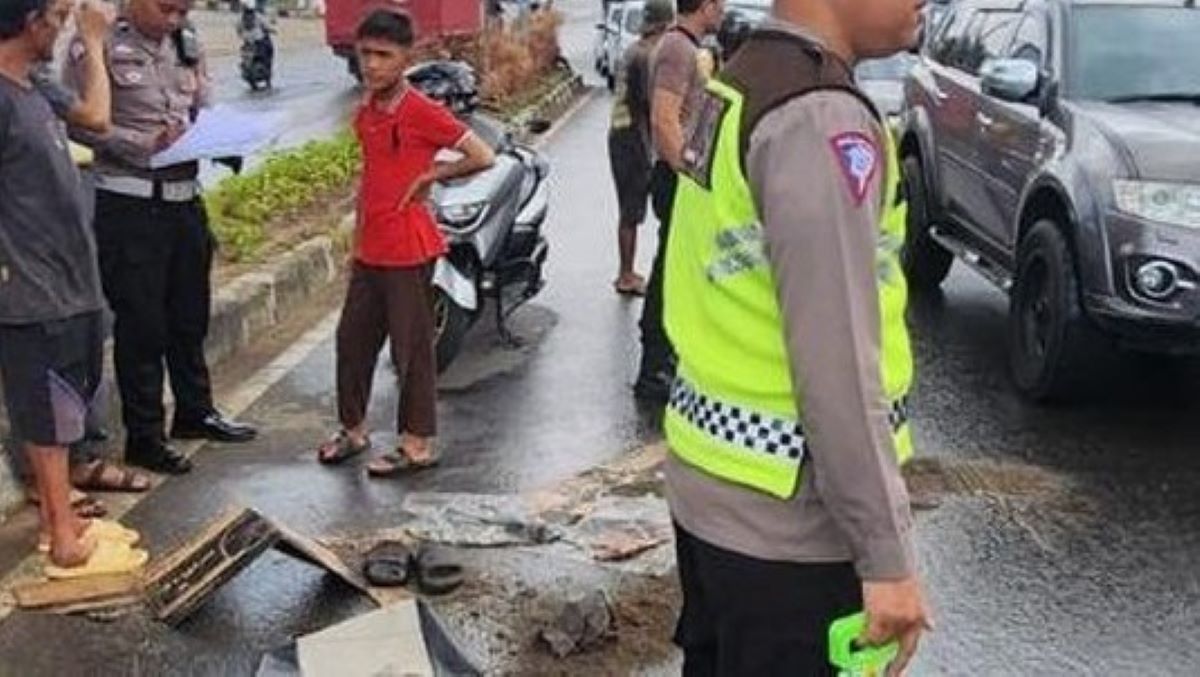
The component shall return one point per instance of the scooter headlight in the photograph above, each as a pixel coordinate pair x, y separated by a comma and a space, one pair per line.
460, 216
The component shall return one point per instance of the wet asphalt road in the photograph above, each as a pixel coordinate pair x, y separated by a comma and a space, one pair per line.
1092, 571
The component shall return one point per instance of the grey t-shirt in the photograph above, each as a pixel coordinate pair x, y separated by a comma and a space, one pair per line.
48, 267
675, 67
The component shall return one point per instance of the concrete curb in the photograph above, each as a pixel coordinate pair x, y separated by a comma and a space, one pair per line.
553, 106
249, 306
246, 308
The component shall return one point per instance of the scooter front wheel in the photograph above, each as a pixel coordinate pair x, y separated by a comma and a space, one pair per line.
451, 322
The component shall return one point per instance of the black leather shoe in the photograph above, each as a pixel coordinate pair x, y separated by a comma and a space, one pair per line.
156, 456
214, 427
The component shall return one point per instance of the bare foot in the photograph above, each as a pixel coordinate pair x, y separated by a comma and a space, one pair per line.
80, 528
71, 552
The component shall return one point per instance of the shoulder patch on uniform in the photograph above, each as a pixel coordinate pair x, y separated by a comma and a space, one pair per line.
858, 157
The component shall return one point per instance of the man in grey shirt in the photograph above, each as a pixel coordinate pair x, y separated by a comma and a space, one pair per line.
676, 77
51, 330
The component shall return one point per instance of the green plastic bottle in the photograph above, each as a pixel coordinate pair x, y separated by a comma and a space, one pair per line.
849, 658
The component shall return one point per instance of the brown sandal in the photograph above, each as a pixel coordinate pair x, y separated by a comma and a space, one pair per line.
340, 448
85, 507
399, 463
105, 476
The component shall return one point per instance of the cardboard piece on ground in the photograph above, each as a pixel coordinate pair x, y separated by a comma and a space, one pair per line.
94, 592
311, 551
179, 583
385, 642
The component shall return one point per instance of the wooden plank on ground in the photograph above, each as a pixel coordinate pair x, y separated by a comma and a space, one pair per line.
90, 592
181, 582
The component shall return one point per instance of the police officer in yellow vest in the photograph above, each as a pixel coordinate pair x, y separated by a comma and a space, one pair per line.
785, 301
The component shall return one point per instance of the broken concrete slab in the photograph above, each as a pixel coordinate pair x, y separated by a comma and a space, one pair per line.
477, 520
618, 528
384, 643
584, 622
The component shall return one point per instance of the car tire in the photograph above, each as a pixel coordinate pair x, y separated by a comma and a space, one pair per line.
451, 322
1053, 347
925, 262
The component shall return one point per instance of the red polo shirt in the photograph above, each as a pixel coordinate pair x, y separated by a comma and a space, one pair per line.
399, 140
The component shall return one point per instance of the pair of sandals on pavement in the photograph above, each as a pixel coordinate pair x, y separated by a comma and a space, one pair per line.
102, 476
393, 564
342, 447
112, 552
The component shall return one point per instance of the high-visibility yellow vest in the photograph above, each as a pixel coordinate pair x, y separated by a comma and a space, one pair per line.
734, 411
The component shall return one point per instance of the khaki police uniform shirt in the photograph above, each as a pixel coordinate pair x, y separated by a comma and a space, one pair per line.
151, 91
820, 216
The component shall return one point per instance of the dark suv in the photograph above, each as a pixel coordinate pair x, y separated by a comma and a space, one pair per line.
1054, 146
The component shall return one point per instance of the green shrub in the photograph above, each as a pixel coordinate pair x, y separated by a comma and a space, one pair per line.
240, 208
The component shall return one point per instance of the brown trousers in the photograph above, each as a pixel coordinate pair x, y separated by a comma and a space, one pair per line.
394, 304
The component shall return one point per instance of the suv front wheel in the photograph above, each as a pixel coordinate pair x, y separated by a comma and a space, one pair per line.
1053, 345
925, 262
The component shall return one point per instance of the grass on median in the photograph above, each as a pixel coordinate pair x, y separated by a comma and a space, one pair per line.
242, 208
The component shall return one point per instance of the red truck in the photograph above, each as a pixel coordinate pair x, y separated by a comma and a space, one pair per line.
433, 18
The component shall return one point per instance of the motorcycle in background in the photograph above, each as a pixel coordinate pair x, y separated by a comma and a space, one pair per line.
492, 220
258, 49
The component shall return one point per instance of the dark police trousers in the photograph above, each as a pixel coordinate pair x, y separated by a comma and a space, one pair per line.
657, 354
155, 260
746, 617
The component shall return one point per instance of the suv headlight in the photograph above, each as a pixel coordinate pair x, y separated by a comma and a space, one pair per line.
460, 216
1174, 203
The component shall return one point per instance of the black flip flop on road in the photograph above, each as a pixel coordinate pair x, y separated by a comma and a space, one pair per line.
438, 571
389, 565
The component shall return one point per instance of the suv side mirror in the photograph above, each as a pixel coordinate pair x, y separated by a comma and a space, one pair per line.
1013, 80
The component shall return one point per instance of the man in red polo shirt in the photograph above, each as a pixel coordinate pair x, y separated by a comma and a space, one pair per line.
396, 243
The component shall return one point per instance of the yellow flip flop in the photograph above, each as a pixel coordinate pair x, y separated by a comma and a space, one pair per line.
102, 530
108, 559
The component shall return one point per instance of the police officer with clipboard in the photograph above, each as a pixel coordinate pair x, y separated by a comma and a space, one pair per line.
155, 246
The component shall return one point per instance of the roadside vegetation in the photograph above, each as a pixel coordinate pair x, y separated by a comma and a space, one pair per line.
244, 209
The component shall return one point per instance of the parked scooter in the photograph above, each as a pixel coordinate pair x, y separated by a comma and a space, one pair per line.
258, 49
492, 220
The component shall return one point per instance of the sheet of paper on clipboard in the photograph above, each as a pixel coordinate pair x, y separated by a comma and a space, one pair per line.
222, 132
